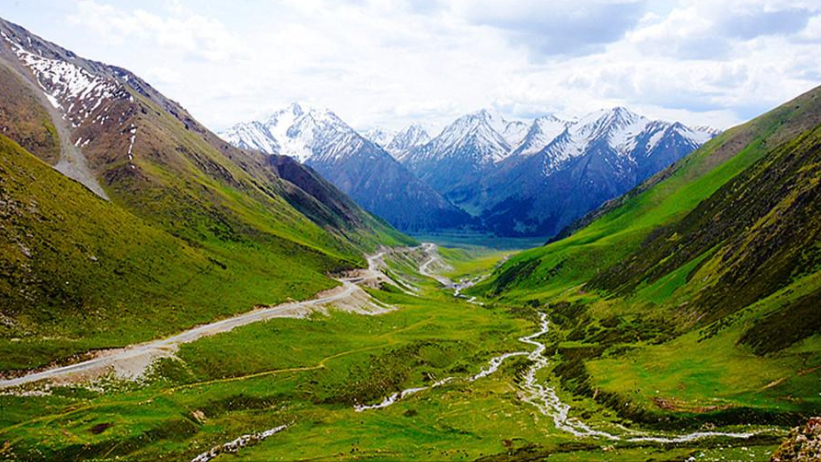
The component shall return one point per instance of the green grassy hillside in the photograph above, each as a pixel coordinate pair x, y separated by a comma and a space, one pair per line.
621, 226
190, 236
694, 298
181, 182
81, 273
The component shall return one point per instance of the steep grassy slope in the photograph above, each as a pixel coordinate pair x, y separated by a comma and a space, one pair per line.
757, 234
328, 207
155, 158
78, 272
179, 181
214, 230
694, 298
620, 227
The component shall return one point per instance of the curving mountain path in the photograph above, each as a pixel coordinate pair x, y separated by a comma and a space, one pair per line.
433, 260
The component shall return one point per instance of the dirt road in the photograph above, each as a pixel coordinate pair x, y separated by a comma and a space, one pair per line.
134, 360
434, 260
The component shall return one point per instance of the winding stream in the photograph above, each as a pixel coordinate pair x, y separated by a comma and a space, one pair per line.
235, 445
545, 399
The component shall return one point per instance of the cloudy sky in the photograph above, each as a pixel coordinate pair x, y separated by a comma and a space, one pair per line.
392, 62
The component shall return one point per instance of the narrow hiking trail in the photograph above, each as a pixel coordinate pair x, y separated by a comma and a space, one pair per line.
134, 360
543, 397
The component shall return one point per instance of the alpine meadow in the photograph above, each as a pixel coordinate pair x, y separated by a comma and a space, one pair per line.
528, 231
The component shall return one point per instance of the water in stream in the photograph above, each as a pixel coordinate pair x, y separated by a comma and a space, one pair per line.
548, 403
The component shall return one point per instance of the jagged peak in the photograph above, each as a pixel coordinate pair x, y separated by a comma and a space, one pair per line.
486, 114
549, 118
707, 129
622, 111
413, 128
478, 127
616, 116
296, 108
413, 131
380, 136
407, 139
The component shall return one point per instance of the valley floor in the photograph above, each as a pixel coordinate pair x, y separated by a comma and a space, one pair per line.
428, 376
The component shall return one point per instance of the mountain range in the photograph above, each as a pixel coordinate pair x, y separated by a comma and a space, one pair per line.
557, 172
483, 172
358, 166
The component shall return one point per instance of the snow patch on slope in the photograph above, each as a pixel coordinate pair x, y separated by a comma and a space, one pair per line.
252, 135
542, 132
65, 84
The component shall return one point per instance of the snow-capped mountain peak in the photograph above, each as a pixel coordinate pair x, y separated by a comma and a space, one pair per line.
540, 133
479, 136
512, 131
625, 127
697, 135
252, 135
490, 117
354, 164
285, 116
298, 131
618, 127
620, 131
405, 140
380, 136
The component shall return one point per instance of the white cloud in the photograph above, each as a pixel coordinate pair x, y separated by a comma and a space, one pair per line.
393, 62
708, 29
556, 27
193, 35
812, 33
163, 76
